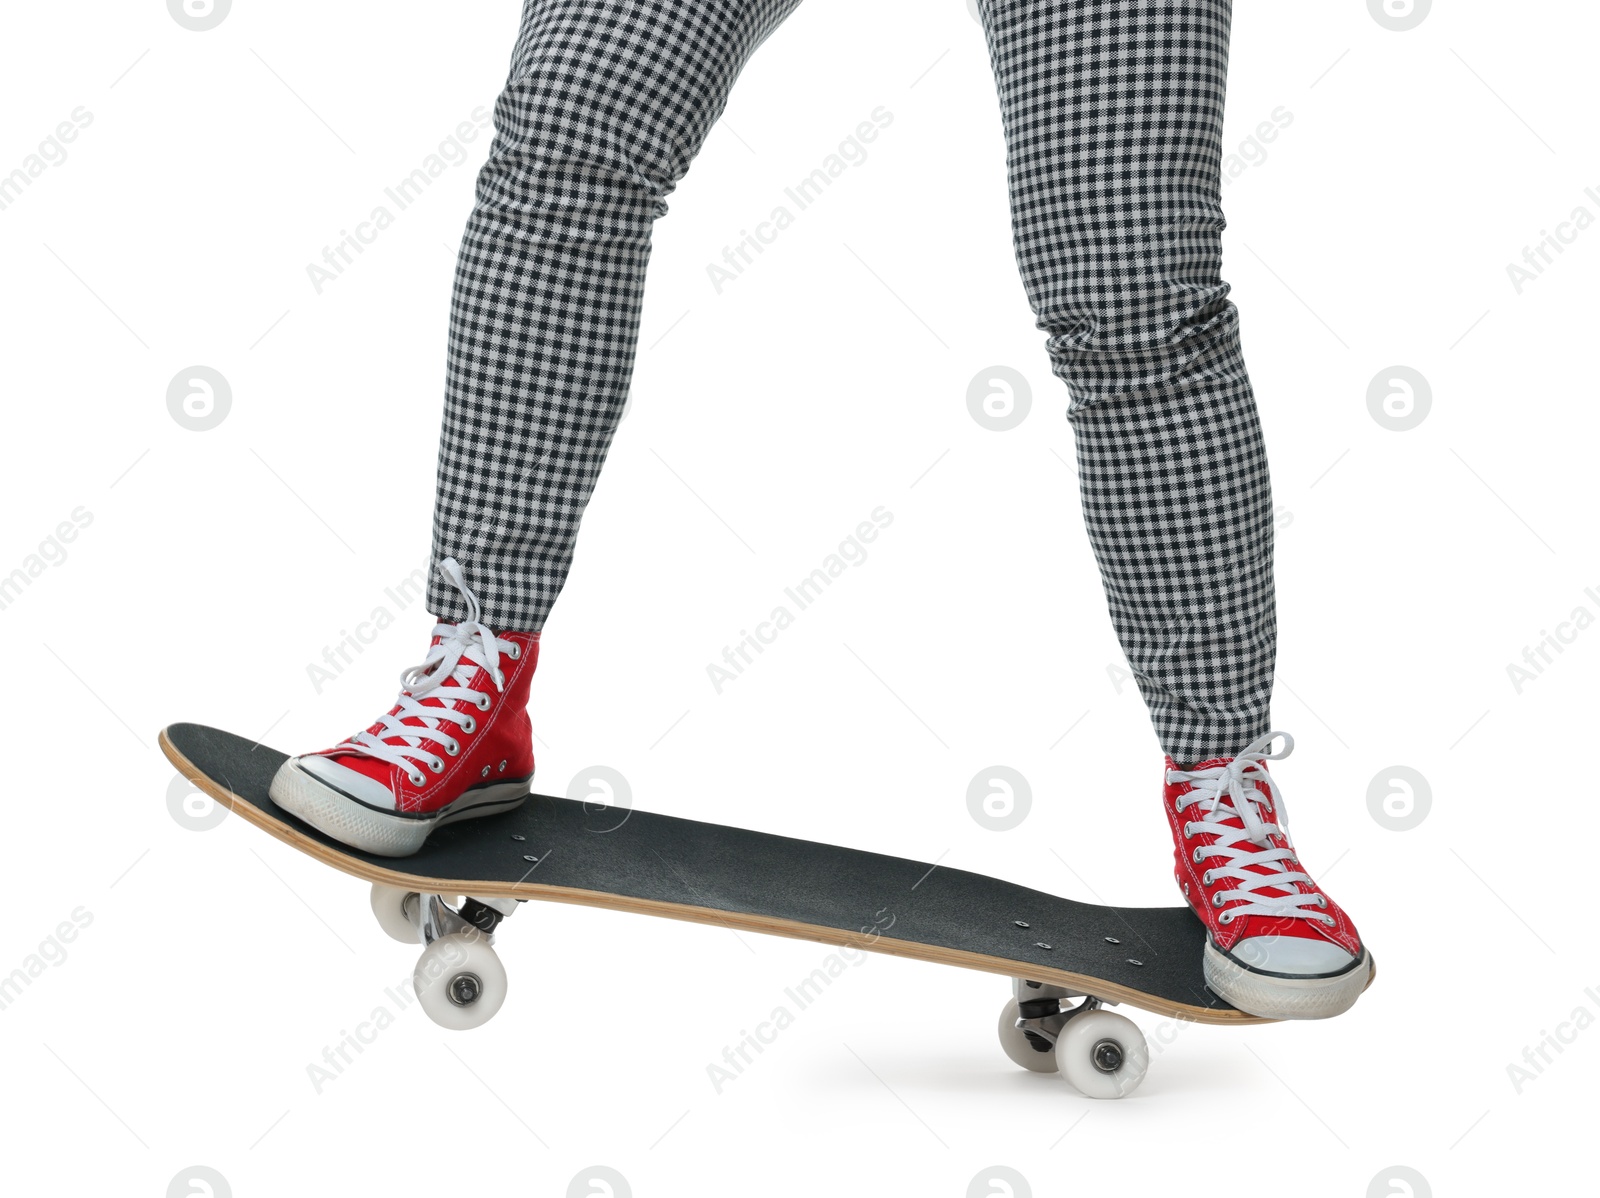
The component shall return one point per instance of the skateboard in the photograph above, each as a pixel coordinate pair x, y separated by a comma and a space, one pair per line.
1067, 960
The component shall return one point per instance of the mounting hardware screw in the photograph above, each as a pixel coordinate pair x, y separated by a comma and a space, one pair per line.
1107, 1056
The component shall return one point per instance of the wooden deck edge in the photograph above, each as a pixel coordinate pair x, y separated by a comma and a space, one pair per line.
738, 921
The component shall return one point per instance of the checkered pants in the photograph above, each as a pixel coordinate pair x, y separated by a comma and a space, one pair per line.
1112, 111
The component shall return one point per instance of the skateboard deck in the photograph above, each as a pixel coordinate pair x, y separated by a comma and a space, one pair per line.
566, 851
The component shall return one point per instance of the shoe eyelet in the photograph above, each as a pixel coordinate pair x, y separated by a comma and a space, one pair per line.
416, 779
469, 725
1322, 901
516, 652
1329, 920
437, 765
1205, 878
483, 701
1216, 899
1225, 917
453, 748
1188, 830
1177, 804
1199, 856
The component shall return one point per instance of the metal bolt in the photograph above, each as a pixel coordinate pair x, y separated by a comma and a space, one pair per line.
464, 989
1107, 1056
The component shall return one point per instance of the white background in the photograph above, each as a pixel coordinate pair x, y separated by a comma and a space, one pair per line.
832, 378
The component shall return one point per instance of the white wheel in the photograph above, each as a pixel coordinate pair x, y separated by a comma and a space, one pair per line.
1103, 1054
1018, 1047
388, 904
460, 981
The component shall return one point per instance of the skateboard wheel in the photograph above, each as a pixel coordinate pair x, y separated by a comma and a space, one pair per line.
1018, 1047
1103, 1054
460, 981
388, 904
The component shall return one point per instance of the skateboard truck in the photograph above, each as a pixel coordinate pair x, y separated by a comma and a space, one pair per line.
1101, 1053
459, 979
1040, 1015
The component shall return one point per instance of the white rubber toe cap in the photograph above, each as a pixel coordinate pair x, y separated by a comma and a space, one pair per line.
1271, 991
352, 808
348, 782
348, 806
1292, 956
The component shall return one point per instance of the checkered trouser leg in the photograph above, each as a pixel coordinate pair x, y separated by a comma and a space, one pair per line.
1112, 112
607, 104
1113, 119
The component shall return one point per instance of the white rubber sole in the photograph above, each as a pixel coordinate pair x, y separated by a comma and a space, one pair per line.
380, 832
1273, 996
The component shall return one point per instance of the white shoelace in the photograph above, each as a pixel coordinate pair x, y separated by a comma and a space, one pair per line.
1227, 792
442, 677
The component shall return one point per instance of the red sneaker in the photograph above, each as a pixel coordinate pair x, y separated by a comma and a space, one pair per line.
1278, 947
457, 744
